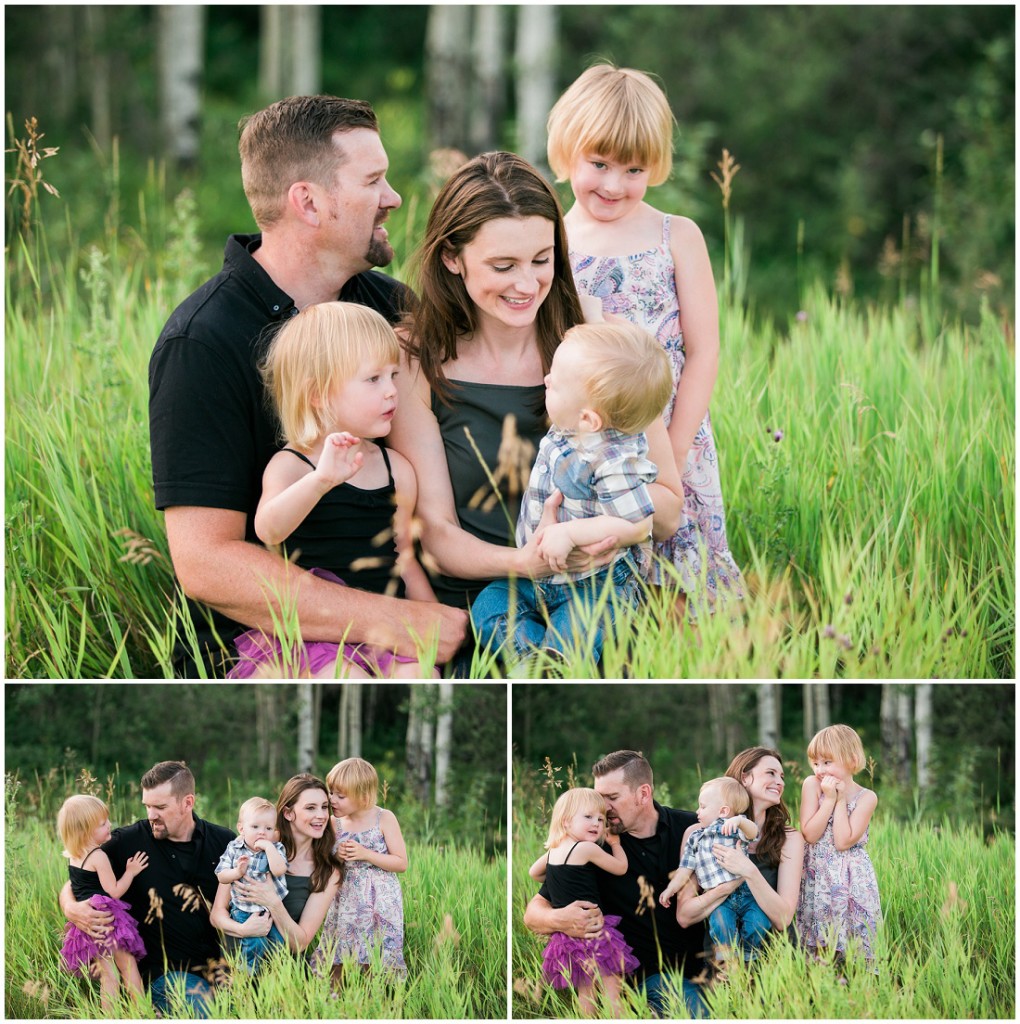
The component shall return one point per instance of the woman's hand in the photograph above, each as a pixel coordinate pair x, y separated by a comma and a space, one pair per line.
264, 893
735, 861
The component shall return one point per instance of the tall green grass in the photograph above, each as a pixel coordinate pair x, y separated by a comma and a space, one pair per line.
946, 949
454, 942
876, 535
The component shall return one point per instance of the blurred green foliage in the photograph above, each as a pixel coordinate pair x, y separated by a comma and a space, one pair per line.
834, 113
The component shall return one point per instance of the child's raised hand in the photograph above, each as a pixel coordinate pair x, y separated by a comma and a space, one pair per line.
828, 785
340, 458
136, 864
730, 825
242, 864
350, 849
610, 838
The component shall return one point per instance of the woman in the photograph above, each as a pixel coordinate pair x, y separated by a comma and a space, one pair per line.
313, 870
773, 864
496, 296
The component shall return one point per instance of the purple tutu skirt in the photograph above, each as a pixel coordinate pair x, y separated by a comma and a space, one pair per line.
571, 963
256, 650
79, 949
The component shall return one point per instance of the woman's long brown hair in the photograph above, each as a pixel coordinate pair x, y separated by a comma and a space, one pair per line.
777, 818
325, 860
489, 187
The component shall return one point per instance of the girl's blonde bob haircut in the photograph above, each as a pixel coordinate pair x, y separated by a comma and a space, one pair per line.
570, 804
617, 113
629, 375
357, 779
316, 352
840, 743
77, 819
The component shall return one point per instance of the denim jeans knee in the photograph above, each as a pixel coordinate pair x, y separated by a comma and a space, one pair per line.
168, 990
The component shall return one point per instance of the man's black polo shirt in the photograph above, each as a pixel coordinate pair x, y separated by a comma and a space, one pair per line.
647, 929
211, 429
185, 933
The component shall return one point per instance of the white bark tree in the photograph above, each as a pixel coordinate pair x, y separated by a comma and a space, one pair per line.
444, 737
349, 731
817, 713
922, 729
535, 58
896, 730
487, 92
306, 727
447, 64
290, 50
769, 696
98, 71
181, 37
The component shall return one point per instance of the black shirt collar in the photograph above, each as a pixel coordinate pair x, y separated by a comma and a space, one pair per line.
240, 263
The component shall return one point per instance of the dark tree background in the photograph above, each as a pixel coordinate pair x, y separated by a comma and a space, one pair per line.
678, 727
836, 114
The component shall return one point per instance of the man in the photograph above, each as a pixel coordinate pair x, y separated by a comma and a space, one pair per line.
314, 172
650, 835
170, 898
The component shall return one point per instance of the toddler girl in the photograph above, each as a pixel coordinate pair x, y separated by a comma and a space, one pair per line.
84, 825
330, 371
838, 891
611, 134
368, 910
570, 871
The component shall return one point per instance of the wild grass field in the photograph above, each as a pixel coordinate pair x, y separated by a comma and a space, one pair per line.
455, 932
867, 457
946, 949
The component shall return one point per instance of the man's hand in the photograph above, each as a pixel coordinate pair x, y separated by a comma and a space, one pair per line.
581, 920
95, 923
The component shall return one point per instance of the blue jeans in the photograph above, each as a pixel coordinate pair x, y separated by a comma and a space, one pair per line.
739, 917
255, 948
197, 991
659, 987
521, 615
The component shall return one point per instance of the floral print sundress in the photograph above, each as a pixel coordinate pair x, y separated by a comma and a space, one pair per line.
642, 288
838, 888
367, 911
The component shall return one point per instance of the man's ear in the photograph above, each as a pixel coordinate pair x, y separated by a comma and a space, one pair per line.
304, 200
589, 421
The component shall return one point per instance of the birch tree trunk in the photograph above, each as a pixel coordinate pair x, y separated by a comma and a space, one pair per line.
896, 729
180, 51
447, 60
768, 714
489, 81
98, 71
306, 727
922, 731
536, 79
444, 737
290, 50
349, 729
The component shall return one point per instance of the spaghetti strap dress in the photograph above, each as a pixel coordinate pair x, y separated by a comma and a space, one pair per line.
80, 949
367, 911
568, 962
642, 288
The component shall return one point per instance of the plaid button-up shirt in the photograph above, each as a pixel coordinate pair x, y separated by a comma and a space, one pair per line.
258, 871
698, 854
604, 473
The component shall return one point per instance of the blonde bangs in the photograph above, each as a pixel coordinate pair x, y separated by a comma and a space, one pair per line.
617, 113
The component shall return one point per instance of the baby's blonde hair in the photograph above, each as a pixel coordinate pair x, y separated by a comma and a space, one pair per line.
357, 778
78, 817
568, 806
629, 375
316, 352
733, 794
618, 113
840, 743
254, 806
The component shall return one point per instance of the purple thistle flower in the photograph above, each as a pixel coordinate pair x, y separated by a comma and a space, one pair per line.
777, 436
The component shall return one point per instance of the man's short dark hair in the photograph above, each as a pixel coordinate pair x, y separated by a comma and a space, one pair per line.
636, 769
177, 773
292, 140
